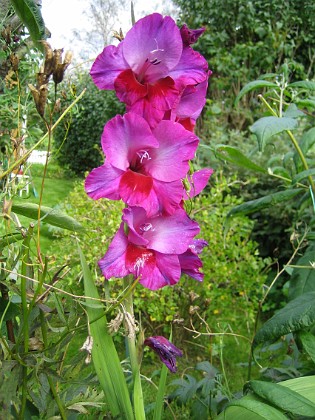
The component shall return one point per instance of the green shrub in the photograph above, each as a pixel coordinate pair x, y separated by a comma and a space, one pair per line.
233, 280
77, 140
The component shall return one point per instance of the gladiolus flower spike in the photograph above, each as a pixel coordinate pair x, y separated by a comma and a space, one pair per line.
166, 351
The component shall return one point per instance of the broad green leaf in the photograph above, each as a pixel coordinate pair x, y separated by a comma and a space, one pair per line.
250, 408
293, 112
256, 84
308, 140
302, 175
267, 127
283, 398
48, 215
303, 279
29, 13
308, 342
304, 84
304, 386
296, 315
233, 155
104, 354
263, 202
308, 103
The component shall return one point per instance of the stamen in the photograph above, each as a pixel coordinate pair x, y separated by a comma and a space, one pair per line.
143, 154
145, 227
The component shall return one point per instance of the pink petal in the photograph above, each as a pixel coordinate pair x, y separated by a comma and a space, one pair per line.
163, 233
153, 39
192, 101
198, 182
177, 146
169, 195
107, 66
144, 108
135, 188
191, 265
123, 136
113, 263
163, 94
191, 69
103, 182
128, 89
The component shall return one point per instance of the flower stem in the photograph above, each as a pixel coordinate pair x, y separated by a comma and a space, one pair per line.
138, 402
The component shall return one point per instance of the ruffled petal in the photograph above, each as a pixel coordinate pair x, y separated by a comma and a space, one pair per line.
192, 101
163, 94
113, 264
123, 136
198, 182
191, 265
152, 47
191, 69
107, 66
163, 233
144, 108
169, 195
135, 189
177, 146
103, 182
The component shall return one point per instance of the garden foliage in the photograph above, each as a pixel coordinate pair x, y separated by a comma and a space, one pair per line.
251, 320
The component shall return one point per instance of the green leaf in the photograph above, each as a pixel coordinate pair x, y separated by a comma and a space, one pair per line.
48, 215
256, 84
283, 398
302, 175
308, 342
250, 408
233, 155
296, 315
29, 13
293, 112
104, 354
267, 127
304, 386
10, 239
307, 103
263, 202
304, 84
303, 279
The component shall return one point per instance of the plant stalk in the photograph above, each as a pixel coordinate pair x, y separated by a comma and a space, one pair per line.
138, 401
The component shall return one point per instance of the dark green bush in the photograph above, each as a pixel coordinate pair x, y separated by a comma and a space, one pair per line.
233, 280
77, 139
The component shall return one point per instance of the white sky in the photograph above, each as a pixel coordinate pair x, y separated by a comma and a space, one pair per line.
62, 16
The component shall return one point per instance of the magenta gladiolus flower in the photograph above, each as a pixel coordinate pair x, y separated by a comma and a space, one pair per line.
190, 262
150, 68
143, 167
166, 351
151, 248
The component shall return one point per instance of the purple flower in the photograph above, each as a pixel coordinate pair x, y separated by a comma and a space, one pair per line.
151, 249
190, 36
150, 68
165, 350
143, 167
189, 261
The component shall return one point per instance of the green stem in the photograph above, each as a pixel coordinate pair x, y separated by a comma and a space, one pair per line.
302, 157
62, 411
25, 312
138, 401
295, 144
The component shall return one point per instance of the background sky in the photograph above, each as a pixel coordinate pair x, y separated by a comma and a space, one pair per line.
63, 16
